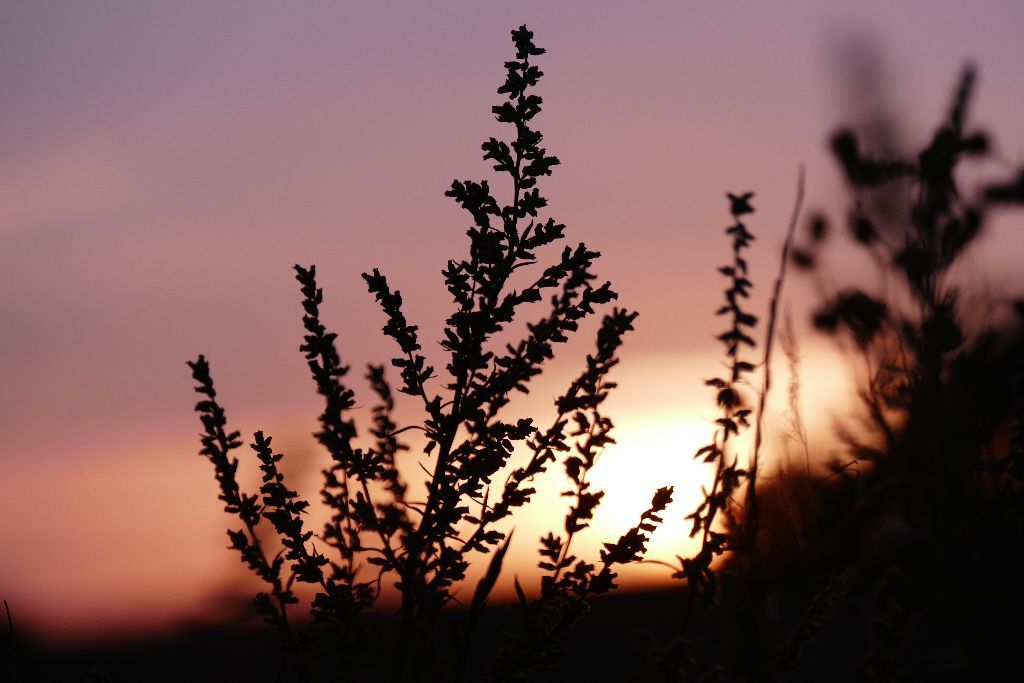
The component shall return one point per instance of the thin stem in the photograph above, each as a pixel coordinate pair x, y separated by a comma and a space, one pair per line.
580, 490
750, 507
278, 592
387, 550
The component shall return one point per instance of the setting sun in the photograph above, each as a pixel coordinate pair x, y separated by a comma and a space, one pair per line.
651, 452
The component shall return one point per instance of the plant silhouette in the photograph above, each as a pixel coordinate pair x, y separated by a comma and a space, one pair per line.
424, 548
900, 561
930, 493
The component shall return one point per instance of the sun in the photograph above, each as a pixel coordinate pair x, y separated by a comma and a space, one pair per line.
653, 451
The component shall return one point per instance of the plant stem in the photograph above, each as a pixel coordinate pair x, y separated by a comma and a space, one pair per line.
750, 507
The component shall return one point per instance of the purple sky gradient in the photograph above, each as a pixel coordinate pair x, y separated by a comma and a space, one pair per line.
163, 166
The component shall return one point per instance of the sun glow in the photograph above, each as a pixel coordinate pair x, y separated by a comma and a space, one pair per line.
651, 452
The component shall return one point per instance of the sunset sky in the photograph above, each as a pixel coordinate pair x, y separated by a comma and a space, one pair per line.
162, 168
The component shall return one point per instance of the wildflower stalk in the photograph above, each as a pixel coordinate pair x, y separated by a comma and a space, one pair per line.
217, 444
701, 580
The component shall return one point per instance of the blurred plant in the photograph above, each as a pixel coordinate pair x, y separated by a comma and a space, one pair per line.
927, 475
908, 338
932, 486
930, 404
426, 547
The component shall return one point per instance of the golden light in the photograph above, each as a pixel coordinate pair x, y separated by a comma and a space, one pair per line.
653, 451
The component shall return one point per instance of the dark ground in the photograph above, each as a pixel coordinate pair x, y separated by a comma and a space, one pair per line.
611, 643
602, 647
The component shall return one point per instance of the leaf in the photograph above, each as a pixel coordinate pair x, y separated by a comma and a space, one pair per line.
519, 592
490, 577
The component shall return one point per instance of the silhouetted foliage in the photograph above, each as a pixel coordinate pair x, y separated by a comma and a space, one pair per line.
425, 548
931, 489
735, 416
900, 561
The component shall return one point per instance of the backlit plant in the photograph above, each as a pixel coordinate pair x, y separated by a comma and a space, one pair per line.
376, 533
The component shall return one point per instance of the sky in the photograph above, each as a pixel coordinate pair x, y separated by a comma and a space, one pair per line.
162, 166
